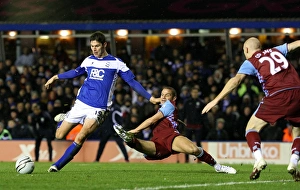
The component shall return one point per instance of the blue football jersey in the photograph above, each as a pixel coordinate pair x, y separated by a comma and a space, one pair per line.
102, 73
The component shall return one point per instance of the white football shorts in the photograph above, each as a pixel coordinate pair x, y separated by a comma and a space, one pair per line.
80, 111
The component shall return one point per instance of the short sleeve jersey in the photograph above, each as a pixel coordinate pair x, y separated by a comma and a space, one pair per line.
170, 115
272, 69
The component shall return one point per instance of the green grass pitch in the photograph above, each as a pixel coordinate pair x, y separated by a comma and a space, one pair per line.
142, 176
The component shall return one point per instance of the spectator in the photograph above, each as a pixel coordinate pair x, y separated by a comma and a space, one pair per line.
57, 108
184, 94
163, 51
196, 124
19, 130
43, 127
242, 122
21, 112
231, 122
218, 133
4, 133
2, 71
4, 112
133, 117
25, 59
14, 74
248, 87
61, 55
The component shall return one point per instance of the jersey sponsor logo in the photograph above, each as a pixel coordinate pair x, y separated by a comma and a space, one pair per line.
97, 74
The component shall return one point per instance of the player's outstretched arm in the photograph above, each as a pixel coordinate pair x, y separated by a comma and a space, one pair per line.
209, 106
50, 81
147, 123
230, 85
293, 45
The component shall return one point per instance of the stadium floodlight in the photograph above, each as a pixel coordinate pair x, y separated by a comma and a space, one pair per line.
64, 33
235, 31
287, 30
122, 32
174, 31
12, 33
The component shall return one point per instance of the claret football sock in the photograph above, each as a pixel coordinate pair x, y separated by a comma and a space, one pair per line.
205, 157
254, 143
253, 140
68, 155
295, 151
296, 146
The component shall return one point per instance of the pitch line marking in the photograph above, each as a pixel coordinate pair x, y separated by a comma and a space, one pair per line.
205, 185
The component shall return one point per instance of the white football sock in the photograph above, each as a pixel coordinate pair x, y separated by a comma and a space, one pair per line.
258, 154
294, 159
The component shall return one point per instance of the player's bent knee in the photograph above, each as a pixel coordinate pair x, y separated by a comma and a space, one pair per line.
192, 149
59, 136
195, 150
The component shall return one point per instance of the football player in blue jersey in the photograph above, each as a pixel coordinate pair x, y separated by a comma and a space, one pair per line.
94, 98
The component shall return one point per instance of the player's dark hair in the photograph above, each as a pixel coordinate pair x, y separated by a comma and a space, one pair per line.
98, 36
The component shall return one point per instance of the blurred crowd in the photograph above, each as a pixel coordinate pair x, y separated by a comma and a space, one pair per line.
191, 66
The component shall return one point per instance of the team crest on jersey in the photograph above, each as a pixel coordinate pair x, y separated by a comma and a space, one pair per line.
97, 74
258, 55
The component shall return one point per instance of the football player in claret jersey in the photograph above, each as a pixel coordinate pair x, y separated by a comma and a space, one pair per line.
94, 98
281, 85
166, 139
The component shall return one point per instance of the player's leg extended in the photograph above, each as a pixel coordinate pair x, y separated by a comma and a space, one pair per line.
184, 145
90, 125
143, 146
254, 142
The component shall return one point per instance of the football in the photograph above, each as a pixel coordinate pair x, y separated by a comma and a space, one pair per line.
24, 165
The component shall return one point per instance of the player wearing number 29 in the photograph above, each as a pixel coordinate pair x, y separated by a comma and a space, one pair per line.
281, 85
94, 98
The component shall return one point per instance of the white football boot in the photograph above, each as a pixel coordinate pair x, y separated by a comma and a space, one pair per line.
258, 167
225, 169
127, 137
